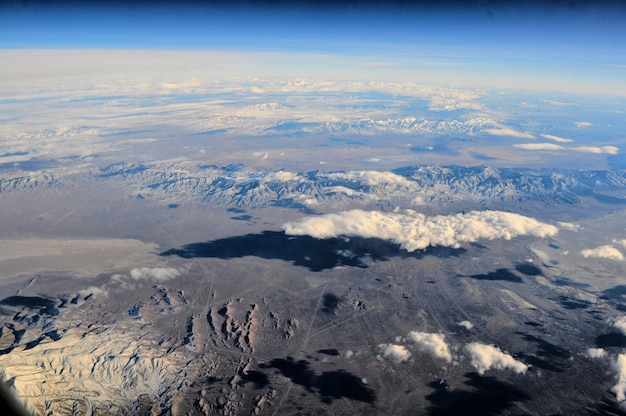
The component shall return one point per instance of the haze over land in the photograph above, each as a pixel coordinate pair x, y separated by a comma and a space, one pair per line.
383, 209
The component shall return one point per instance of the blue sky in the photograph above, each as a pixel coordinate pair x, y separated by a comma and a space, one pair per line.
545, 45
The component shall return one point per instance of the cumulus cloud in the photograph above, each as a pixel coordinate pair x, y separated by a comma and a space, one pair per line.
581, 124
596, 353
620, 324
432, 343
466, 324
620, 368
397, 353
508, 132
538, 146
485, 357
414, 231
610, 150
556, 138
603, 252
160, 274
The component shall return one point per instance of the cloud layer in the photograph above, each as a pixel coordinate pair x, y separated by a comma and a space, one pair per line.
538, 146
610, 150
556, 138
414, 231
485, 357
508, 132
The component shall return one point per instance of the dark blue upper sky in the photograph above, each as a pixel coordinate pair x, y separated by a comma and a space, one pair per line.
534, 28
575, 37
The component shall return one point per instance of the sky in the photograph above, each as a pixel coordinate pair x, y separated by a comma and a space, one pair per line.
571, 46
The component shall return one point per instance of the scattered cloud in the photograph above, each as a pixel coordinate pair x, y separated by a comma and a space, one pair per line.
508, 132
620, 324
414, 231
396, 353
603, 252
93, 291
596, 353
621, 242
610, 150
485, 357
582, 124
157, 273
538, 146
282, 176
568, 226
620, 368
432, 343
556, 138
466, 324
373, 178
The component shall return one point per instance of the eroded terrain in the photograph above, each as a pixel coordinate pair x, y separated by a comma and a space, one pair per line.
264, 323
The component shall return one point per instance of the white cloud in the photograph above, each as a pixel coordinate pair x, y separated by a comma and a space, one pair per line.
620, 324
432, 343
538, 146
94, 291
556, 138
596, 353
508, 132
621, 242
466, 324
282, 176
581, 124
485, 357
603, 252
180, 85
620, 368
342, 190
451, 100
397, 353
414, 231
374, 178
610, 150
157, 273
568, 226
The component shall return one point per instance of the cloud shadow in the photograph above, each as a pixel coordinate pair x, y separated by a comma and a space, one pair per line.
613, 339
499, 274
488, 397
330, 385
312, 253
547, 354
